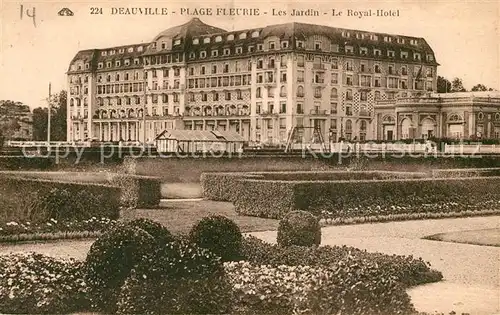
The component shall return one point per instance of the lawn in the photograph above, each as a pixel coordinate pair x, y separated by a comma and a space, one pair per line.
486, 237
181, 190
180, 216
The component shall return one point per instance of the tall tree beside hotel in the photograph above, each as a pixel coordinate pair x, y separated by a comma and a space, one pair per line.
57, 120
15, 121
443, 85
457, 85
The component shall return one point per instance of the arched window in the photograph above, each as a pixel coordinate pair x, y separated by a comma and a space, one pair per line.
334, 93
377, 95
71, 102
348, 125
243, 35
78, 102
283, 91
255, 34
362, 125
300, 91
230, 37
117, 77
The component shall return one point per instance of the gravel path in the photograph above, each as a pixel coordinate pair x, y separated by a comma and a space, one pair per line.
471, 273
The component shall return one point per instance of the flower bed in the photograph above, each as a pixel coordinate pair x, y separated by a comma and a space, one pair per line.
361, 198
53, 229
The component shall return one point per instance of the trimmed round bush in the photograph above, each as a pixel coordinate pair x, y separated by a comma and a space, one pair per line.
300, 228
160, 233
110, 260
179, 278
220, 235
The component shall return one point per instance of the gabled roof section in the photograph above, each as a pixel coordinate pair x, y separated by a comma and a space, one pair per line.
195, 27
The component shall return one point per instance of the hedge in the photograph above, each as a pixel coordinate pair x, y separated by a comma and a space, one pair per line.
357, 198
25, 163
138, 191
222, 186
466, 172
17, 195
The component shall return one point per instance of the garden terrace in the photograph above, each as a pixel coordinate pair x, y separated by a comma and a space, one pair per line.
335, 199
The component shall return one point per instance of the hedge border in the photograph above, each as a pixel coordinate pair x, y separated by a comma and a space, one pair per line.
255, 197
221, 186
49, 236
407, 217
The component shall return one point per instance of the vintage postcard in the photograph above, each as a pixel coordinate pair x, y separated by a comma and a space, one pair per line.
250, 157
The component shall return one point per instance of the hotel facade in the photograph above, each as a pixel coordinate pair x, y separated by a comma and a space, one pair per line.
258, 82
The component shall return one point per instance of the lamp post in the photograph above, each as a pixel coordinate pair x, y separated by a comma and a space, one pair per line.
49, 112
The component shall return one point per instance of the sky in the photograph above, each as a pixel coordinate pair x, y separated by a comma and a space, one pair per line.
464, 35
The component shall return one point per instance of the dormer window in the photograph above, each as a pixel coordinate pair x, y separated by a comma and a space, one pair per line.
377, 52
243, 35
112, 52
230, 37
300, 44
284, 44
130, 49
416, 56
430, 57
373, 37
404, 55
360, 36
387, 39
218, 39
139, 48
349, 49
127, 62
272, 45
203, 54
196, 41
104, 53
413, 42
317, 45
192, 55
390, 53
118, 63
206, 40
215, 53
87, 65
108, 64
100, 65
255, 34
121, 51
401, 40
177, 42
163, 45
334, 47
250, 49
227, 51
346, 34
239, 50
136, 62
363, 51
260, 47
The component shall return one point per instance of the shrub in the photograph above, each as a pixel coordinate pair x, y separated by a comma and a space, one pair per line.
160, 233
110, 260
222, 186
138, 191
179, 278
299, 228
34, 284
218, 234
405, 269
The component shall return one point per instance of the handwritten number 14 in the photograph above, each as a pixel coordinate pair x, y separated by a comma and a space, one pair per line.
28, 13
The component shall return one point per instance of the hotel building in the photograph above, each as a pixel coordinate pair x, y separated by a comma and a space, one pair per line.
258, 82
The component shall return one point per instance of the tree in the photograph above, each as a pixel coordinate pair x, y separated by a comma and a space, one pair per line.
12, 114
57, 119
443, 85
479, 87
457, 85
